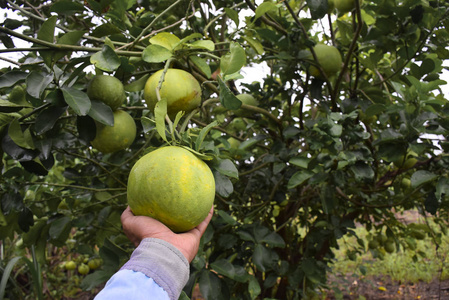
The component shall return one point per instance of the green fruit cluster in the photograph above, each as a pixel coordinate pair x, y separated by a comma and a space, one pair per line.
110, 91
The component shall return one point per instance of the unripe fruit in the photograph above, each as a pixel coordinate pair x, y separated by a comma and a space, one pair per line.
117, 137
70, 265
107, 89
329, 58
181, 90
83, 269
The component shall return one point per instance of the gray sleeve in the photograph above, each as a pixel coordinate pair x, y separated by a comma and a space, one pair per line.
162, 262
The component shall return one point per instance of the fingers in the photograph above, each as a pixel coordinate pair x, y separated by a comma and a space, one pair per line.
127, 213
201, 228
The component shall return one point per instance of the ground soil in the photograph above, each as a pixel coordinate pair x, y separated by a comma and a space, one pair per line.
384, 288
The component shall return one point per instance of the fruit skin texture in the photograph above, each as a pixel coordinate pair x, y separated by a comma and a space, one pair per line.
113, 138
107, 89
180, 88
329, 58
173, 186
344, 6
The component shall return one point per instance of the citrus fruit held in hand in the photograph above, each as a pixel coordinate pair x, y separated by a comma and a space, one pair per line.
181, 90
248, 100
113, 138
329, 59
173, 186
107, 89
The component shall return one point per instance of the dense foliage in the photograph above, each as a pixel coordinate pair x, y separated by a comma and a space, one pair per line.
295, 173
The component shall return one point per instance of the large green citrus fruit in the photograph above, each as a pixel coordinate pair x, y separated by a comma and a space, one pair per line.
107, 89
173, 186
113, 138
344, 6
329, 59
180, 88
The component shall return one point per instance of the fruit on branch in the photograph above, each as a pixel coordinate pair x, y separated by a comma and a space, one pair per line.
247, 99
344, 6
107, 89
329, 58
181, 90
120, 136
172, 185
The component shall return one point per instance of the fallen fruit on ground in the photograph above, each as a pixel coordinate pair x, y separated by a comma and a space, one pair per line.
173, 186
107, 89
114, 138
181, 90
329, 58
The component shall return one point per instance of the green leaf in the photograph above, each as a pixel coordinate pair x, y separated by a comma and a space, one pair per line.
203, 133
209, 285
421, 177
226, 167
58, 227
263, 8
442, 188
362, 171
106, 59
226, 217
255, 44
301, 162
156, 54
203, 44
70, 38
254, 288
95, 279
6, 273
66, 7
202, 65
47, 33
223, 267
318, 8
233, 61
251, 142
105, 29
160, 111
47, 118
188, 38
299, 178
165, 39
37, 82
101, 112
223, 186
233, 15
11, 78
7, 106
227, 98
137, 85
21, 138
77, 100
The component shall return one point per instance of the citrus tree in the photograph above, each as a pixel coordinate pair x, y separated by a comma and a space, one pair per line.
348, 126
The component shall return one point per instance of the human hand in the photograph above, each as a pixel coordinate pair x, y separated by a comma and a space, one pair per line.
137, 228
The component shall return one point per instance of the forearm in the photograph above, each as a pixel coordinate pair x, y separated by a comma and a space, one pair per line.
157, 260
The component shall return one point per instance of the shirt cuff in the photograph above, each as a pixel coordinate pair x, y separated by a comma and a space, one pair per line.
162, 262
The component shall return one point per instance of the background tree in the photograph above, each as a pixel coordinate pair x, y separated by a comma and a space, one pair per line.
319, 148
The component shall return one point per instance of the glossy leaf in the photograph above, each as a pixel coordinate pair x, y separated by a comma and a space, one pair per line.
77, 100
233, 61
156, 54
106, 59
101, 112
48, 118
